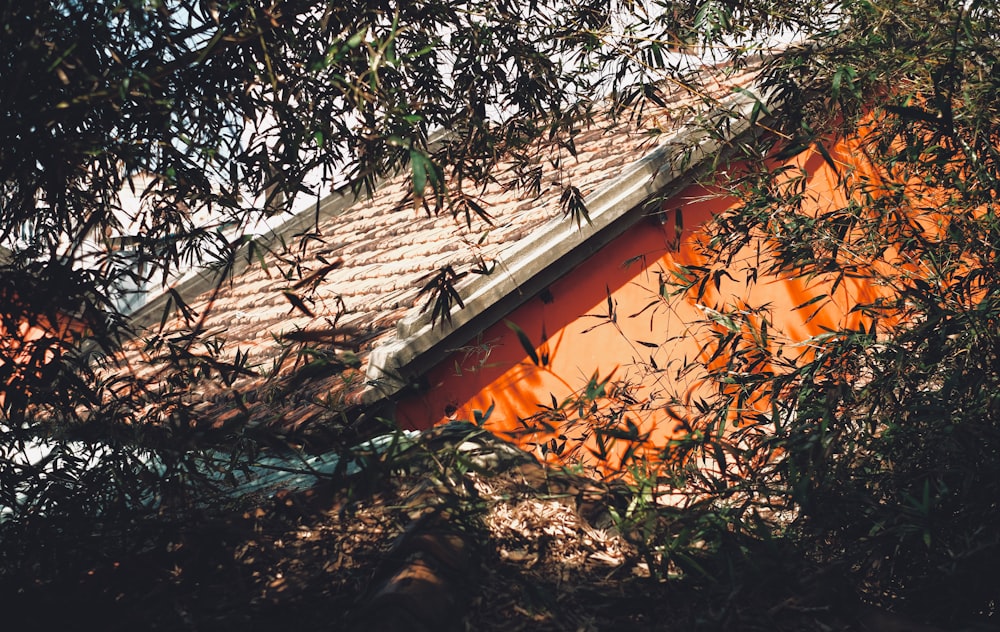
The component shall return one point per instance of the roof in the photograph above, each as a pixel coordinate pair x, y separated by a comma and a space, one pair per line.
340, 282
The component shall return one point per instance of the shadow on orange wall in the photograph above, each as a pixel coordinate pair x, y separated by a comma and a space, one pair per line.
612, 327
33, 336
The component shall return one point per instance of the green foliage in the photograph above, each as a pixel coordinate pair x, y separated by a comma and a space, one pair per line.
880, 440
572, 203
877, 448
215, 116
871, 448
440, 286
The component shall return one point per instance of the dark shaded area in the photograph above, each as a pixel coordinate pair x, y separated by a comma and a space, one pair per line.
422, 550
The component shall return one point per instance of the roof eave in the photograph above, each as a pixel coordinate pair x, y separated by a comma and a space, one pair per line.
553, 250
202, 280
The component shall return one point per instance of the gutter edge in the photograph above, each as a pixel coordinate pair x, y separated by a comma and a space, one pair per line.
392, 364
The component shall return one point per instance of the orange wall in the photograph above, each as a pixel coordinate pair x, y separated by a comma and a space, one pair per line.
567, 327
28, 343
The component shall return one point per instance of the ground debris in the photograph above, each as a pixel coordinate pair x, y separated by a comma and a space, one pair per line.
441, 544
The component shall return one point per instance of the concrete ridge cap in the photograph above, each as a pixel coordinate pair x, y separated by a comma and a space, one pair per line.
556, 238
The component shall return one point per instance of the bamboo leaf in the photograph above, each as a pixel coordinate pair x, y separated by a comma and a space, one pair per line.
525, 342
298, 303
419, 166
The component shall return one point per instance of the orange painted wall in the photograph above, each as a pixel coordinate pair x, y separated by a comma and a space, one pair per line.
574, 339
28, 343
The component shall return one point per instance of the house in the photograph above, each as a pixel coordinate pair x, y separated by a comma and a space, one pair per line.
328, 309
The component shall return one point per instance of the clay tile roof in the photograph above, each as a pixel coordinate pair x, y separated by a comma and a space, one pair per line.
353, 285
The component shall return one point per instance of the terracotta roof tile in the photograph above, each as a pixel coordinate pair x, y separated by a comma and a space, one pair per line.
387, 249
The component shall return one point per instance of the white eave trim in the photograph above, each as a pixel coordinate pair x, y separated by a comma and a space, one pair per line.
686, 149
201, 279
